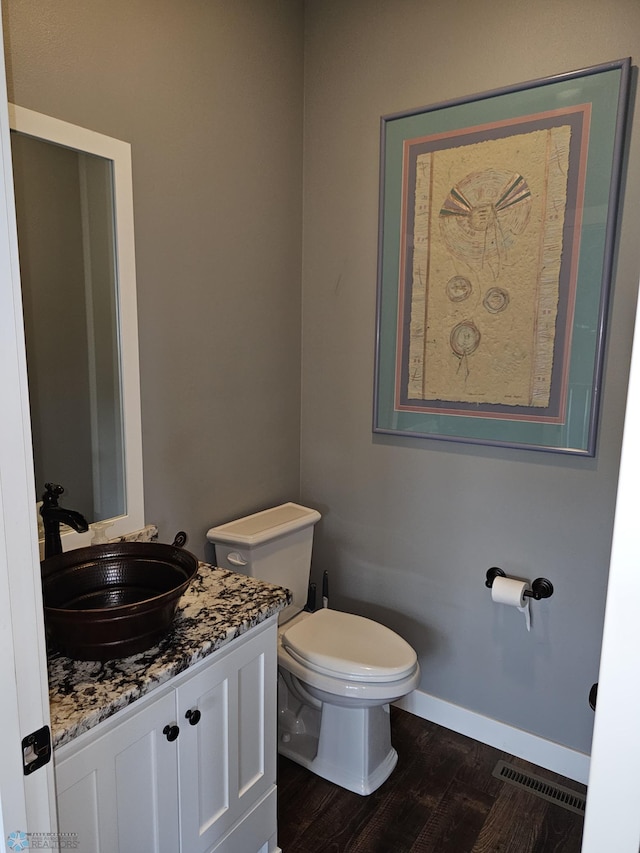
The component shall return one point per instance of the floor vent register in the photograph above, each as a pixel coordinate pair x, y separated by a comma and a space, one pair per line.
565, 797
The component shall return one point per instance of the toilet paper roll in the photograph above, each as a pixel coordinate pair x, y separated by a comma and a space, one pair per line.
511, 592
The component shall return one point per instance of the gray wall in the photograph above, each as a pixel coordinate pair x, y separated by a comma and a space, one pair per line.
210, 97
410, 526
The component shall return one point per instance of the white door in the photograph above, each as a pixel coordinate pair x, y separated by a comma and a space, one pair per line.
612, 820
26, 802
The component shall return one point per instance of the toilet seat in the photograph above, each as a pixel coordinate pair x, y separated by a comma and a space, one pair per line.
346, 646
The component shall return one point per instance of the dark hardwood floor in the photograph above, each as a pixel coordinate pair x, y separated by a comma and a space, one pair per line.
441, 798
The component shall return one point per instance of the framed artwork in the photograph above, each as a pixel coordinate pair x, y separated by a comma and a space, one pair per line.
496, 236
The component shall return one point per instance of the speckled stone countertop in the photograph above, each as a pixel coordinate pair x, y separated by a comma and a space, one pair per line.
218, 606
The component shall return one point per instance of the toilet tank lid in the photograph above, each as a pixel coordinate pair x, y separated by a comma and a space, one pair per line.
264, 526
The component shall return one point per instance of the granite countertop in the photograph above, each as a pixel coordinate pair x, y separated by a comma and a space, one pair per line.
217, 607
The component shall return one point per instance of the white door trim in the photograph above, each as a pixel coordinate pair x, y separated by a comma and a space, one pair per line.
27, 802
612, 819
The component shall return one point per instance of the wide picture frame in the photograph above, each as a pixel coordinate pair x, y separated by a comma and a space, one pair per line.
497, 230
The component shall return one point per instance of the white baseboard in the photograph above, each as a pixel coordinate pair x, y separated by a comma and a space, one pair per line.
545, 753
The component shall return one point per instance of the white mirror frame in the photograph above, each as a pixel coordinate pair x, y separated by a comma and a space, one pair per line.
71, 136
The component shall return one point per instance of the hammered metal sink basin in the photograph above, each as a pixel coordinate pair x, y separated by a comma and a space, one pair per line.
114, 600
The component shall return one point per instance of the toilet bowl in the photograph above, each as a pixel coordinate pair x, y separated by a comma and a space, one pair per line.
334, 690
337, 672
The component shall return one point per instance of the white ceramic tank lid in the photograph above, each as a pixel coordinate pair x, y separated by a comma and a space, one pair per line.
264, 526
343, 643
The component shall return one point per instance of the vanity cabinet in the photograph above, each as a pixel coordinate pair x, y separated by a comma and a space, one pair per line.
190, 767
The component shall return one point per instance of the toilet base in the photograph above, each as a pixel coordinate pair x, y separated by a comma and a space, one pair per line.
350, 747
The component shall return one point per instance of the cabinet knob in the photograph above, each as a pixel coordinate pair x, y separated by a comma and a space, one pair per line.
171, 732
193, 716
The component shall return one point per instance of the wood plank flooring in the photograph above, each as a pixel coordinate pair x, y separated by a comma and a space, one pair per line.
441, 798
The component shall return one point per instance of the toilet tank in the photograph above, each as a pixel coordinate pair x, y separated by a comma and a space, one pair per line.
273, 545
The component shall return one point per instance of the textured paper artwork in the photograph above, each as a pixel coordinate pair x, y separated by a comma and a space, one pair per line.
484, 228
497, 228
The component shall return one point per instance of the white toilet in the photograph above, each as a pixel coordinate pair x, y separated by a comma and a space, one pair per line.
337, 672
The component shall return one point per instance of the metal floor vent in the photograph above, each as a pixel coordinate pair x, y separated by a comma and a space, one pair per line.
565, 797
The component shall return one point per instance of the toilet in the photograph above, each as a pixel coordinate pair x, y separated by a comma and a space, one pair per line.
337, 672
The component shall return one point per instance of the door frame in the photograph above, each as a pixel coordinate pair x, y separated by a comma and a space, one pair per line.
27, 803
612, 818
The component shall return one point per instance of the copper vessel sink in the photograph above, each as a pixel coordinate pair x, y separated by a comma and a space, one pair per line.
110, 601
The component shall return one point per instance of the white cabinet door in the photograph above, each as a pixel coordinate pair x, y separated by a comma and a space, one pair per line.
227, 761
119, 792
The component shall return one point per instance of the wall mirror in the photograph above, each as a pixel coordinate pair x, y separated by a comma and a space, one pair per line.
74, 210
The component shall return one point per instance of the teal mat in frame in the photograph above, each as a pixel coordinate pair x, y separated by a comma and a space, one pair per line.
497, 229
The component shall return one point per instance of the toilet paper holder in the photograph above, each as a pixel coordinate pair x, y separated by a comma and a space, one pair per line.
540, 587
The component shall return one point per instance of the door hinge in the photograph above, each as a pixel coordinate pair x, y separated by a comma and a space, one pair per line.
36, 750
